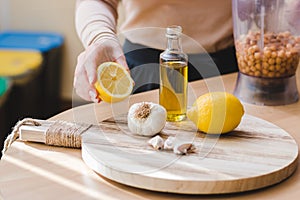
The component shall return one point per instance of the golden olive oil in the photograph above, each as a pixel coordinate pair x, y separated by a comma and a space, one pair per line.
173, 89
173, 76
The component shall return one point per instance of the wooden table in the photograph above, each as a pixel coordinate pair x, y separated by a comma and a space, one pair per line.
36, 171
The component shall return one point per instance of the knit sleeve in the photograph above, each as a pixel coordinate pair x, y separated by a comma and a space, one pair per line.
96, 20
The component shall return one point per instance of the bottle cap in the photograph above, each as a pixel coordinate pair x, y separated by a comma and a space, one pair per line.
174, 31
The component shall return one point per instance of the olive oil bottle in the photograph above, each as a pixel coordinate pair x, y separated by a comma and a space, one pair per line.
173, 76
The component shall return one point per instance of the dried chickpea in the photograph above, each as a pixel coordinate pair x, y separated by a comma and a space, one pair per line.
281, 53
278, 67
274, 54
279, 56
273, 47
277, 74
257, 66
278, 60
257, 55
264, 72
272, 68
271, 61
282, 70
271, 74
265, 65
267, 53
257, 73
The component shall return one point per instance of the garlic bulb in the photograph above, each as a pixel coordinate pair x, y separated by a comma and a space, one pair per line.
146, 118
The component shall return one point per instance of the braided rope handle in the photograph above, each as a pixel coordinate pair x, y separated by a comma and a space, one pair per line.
15, 132
60, 133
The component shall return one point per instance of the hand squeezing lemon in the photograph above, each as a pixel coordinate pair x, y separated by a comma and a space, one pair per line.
114, 82
216, 112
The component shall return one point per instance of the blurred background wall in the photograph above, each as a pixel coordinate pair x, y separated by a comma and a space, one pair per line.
53, 16
47, 15
37, 98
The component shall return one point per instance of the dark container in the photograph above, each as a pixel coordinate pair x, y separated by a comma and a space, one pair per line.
48, 81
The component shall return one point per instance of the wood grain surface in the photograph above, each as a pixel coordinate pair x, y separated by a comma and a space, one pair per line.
36, 171
255, 155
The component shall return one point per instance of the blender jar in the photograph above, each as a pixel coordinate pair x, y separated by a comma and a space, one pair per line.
266, 34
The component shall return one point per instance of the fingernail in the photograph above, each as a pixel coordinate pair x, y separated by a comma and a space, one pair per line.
93, 96
91, 79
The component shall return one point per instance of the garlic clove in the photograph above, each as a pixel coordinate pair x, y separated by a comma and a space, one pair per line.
146, 118
156, 142
184, 148
169, 143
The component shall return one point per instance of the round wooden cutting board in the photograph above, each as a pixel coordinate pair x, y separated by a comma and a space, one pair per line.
255, 155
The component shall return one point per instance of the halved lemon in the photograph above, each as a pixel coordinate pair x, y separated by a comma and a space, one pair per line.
114, 83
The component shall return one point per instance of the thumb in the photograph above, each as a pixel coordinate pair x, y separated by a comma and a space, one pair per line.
122, 61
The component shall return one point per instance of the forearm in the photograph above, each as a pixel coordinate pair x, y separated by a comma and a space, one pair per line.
96, 20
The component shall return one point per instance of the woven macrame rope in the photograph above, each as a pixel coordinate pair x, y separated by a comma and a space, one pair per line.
65, 134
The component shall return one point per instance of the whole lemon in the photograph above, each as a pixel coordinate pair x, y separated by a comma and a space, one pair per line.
216, 112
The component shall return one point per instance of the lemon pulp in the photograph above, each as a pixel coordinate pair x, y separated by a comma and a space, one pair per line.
114, 83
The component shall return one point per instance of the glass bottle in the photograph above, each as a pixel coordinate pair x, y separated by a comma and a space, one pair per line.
173, 76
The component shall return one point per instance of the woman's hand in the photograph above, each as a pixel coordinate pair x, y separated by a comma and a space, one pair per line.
96, 23
87, 62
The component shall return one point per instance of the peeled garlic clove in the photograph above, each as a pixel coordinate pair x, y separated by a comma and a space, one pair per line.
184, 148
169, 143
156, 142
146, 118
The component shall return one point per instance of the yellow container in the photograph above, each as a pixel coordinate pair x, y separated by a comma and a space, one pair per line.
19, 65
